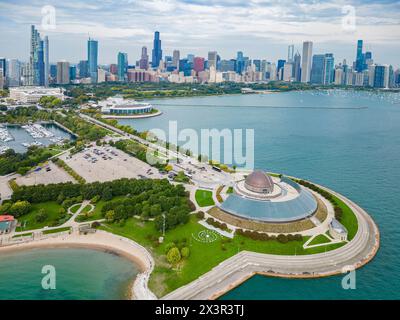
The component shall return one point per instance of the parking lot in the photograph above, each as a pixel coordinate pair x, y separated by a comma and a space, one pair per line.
47, 174
107, 163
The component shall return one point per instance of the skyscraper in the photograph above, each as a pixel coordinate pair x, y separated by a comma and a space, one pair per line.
359, 56
306, 61
62, 72
92, 51
297, 67
239, 62
157, 51
122, 65
36, 76
14, 73
317, 71
83, 69
46, 61
198, 64
290, 53
329, 71
3, 73
3, 66
144, 60
212, 59
175, 58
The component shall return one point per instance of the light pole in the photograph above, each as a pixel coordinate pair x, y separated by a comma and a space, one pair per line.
163, 225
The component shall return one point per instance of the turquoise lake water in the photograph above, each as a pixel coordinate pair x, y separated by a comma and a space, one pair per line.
80, 274
348, 141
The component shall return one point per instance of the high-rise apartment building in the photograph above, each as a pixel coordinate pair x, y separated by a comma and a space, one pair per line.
306, 61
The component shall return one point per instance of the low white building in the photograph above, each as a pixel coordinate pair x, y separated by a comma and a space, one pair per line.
337, 230
118, 106
33, 94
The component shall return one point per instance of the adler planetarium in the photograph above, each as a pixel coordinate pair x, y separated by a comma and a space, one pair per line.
266, 198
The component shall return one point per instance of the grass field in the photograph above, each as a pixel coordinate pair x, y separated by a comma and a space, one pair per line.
56, 230
349, 220
51, 208
203, 256
204, 198
319, 239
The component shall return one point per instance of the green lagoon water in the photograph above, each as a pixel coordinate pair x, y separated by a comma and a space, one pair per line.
348, 141
80, 274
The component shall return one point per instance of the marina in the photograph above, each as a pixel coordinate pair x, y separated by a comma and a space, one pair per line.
24, 136
5, 135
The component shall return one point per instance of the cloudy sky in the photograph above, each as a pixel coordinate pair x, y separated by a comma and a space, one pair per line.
260, 28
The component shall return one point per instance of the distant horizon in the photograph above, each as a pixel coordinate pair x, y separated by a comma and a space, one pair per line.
261, 30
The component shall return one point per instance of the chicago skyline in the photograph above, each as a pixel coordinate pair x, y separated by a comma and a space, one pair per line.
260, 29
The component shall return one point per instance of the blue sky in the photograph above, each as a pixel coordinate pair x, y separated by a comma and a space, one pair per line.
260, 28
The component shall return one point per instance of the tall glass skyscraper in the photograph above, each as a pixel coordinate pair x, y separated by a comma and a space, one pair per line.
122, 65
317, 70
92, 59
359, 56
157, 51
37, 59
329, 68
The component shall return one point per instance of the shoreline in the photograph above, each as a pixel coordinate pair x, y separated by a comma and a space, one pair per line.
105, 242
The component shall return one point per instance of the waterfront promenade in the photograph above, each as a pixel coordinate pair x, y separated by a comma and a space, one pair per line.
237, 269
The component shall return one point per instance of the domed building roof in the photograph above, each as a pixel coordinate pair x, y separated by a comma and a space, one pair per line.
259, 181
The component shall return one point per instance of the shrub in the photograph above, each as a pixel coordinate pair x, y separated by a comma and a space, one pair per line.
41, 216
174, 256
169, 246
185, 252
282, 238
200, 215
95, 224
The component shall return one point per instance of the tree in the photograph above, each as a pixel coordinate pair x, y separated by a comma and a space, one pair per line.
41, 216
185, 252
106, 194
110, 215
20, 208
174, 256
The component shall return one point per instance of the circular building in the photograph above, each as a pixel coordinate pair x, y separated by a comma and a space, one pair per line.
118, 106
263, 198
259, 182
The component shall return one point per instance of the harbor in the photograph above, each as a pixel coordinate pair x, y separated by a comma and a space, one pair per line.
21, 137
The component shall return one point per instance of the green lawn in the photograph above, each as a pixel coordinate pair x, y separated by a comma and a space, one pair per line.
204, 198
51, 208
349, 220
203, 256
319, 239
230, 190
23, 235
56, 230
75, 207
96, 214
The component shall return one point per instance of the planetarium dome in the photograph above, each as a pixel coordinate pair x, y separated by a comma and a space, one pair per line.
259, 182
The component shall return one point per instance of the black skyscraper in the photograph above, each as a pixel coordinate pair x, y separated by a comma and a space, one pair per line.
157, 52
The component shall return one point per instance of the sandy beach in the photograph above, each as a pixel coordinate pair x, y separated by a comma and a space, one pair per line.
106, 242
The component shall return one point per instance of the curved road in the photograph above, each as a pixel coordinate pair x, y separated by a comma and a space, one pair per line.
233, 271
